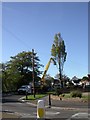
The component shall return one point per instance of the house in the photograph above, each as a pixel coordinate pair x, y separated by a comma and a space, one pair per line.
85, 81
75, 80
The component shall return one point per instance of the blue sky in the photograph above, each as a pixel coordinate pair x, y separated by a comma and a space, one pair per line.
32, 25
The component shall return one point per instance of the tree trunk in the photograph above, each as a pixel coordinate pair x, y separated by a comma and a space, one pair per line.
60, 75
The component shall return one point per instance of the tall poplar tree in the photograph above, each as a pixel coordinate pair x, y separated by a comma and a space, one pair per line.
59, 54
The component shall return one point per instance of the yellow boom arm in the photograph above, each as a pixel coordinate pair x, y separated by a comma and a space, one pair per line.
46, 69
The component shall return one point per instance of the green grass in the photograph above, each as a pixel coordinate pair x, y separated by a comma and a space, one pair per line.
86, 97
37, 96
67, 95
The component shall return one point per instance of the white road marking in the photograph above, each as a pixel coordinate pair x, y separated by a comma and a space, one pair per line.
52, 113
48, 113
81, 115
24, 115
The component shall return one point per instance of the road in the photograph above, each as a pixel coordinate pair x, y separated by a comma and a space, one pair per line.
11, 105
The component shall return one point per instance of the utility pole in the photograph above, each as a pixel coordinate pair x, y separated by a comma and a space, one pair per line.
33, 72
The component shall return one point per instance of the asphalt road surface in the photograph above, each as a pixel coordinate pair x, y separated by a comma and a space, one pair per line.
25, 110
12, 105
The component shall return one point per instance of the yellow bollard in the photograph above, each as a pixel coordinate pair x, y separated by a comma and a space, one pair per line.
40, 109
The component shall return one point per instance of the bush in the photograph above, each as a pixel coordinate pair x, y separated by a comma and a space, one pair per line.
76, 94
58, 91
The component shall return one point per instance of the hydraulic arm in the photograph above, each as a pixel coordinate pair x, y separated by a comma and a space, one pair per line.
46, 69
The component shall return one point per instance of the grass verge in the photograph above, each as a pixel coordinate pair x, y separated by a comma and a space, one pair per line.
37, 96
84, 97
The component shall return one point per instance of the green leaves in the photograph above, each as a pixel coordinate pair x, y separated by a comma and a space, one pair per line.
58, 48
18, 70
58, 52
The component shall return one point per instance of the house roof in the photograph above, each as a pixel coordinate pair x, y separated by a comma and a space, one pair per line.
74, 78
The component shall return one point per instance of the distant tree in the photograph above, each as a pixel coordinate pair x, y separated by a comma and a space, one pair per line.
57, 76
48, 77
65, 78
49, 80
85, 78
58, 52
4, 76
89, 77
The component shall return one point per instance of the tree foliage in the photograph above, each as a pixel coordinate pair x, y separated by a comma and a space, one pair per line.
18, 71
59, 53
48, 80
85, 78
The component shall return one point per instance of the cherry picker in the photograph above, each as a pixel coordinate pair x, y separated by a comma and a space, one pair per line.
46, 69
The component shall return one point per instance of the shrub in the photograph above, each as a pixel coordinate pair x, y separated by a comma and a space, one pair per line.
76, 94
58, 91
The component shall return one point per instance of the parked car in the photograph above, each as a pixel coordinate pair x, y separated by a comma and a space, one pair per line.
25, 88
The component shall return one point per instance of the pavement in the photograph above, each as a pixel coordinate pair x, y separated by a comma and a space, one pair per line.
58, 104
